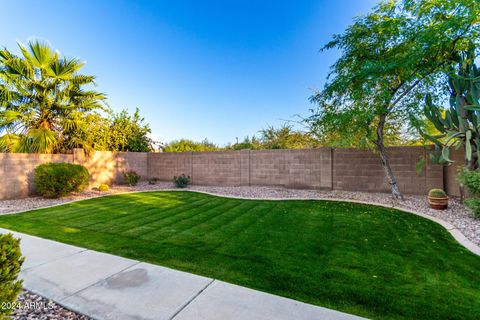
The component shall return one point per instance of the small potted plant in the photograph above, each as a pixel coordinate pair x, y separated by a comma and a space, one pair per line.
437, 199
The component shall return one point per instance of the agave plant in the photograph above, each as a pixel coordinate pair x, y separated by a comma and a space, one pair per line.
43, 100
459, 125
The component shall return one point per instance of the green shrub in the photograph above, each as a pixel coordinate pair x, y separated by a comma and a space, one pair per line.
181, 181
103, 187
471, 180
474, 205
131, 177
54, 180
437, 193
10, 262
153, 181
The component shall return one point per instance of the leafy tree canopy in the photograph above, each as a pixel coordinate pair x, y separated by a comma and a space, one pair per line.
117, 132
389, 59
184, 145
247, 143
129, 133
285, 137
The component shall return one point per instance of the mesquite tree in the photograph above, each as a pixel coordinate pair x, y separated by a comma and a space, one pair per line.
390, 58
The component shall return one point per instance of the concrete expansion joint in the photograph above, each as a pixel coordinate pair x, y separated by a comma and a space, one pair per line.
191, 300
41, 264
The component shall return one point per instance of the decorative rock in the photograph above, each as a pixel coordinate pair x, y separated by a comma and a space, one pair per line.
34, 307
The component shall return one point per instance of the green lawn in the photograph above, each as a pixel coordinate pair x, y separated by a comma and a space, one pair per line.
371, 261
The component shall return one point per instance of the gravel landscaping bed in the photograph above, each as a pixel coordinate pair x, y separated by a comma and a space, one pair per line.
34, 307
456, 214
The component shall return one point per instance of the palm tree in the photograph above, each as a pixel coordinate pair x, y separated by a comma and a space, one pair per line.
43, 100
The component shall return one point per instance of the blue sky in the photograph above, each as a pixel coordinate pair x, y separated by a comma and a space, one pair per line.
196, 69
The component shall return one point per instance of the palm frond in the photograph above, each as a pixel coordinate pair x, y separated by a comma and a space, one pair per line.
64, 69
41, 54
42, 140
16, 67
80, 79
10, 142
9, 116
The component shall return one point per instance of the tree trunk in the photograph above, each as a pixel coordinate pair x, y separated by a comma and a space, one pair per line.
392, 180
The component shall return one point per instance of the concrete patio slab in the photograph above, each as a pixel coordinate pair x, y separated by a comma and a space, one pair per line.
143, 291
64, 277
40, 252
222, 300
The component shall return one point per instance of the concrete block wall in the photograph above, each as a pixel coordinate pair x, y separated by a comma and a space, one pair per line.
220, 168
289, 168
131, 161
101, 166
361, 170
108, 167
17, 169
166, 165
17, 172
323, 168
451, 171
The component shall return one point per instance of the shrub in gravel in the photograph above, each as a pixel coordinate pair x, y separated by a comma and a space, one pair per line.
474, 205
131, 177
103, 187
10, 262
471, 180
181, 181
54, 180
153, 181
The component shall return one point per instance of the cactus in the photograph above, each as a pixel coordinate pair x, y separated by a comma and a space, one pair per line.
459, 125
437, 193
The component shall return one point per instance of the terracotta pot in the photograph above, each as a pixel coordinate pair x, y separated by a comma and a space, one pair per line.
438, 203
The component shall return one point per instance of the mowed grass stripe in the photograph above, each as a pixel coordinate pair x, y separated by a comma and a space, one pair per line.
230, 243
205, 223
160, 219
144, 213
375, 262
68, 211
171, 213
108, 205
163, 228
217, 230
247, 242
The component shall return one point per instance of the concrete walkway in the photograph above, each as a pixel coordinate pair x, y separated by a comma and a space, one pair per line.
105, 286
